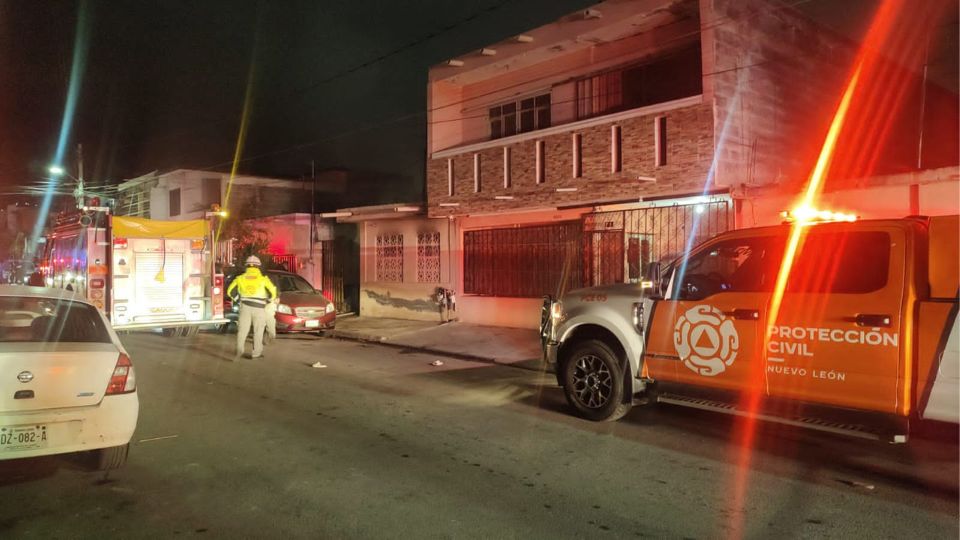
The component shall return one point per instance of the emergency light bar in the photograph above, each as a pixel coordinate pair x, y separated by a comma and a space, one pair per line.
806, 214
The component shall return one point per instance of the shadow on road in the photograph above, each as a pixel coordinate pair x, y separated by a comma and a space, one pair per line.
928, 464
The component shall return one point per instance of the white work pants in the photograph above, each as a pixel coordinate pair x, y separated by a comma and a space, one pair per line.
257, 317
271, 311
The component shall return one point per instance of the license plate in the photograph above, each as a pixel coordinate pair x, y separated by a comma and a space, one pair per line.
312, 324
23, 437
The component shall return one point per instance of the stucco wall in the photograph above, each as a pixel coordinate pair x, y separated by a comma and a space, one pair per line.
408, 299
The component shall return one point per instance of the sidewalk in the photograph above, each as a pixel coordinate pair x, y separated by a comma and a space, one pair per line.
519, 347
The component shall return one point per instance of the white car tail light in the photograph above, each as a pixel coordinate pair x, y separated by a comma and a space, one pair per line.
123, 380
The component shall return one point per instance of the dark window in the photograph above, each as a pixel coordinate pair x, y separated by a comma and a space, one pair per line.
827, 262
675, 75
50, 321
522, 116
175, 202
738, 265
521, 262
844, 263
496, 123
211, 192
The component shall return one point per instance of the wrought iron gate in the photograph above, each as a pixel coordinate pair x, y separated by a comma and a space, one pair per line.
618, 245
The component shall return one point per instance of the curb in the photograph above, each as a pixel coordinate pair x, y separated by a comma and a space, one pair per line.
459, 356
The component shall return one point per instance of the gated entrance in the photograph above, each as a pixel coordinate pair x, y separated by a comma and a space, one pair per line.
618, 245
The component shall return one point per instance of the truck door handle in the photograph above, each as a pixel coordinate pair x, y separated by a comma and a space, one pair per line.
744, 314
872, 320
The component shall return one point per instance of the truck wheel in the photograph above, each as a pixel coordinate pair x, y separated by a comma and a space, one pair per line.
593, 382
112, 458
191, 331
170, 332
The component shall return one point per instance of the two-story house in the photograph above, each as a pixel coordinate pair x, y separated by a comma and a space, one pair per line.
579, 151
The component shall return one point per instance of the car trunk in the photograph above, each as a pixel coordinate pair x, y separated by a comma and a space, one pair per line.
63, 374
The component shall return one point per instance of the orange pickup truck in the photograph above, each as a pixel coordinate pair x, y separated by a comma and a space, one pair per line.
866, 339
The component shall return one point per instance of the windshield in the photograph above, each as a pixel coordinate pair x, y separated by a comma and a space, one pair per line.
291, 283
50, 320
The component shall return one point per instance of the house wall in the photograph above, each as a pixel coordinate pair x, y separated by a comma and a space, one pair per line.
689, 154
775, 79
409, 299
256, 197
290, 235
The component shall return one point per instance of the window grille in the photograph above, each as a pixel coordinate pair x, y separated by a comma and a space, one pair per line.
525, 262
390, 258
428, 257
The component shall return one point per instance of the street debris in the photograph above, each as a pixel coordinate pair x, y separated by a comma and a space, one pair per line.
318, 365
436, 363
151, 439
854, 483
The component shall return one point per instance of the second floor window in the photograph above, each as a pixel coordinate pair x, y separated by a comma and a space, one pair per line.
521, 116
174, 202
675, 75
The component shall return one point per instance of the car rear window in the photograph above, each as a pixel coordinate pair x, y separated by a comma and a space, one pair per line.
50, 320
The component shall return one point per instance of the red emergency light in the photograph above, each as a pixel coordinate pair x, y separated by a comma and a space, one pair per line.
119, 243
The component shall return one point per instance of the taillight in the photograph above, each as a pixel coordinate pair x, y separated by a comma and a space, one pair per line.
218, 295
123, 380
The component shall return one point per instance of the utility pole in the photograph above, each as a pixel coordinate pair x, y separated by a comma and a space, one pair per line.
78, 191
313, 210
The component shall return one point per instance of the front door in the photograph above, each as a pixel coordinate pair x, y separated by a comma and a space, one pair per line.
708, 329
837, 338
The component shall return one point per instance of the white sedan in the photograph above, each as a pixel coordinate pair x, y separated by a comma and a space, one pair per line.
66, 383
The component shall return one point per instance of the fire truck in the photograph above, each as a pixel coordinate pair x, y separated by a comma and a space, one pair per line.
142, 273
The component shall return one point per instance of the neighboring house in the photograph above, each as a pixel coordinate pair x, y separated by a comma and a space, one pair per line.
185, 194
580, 151
278, 206
404, 258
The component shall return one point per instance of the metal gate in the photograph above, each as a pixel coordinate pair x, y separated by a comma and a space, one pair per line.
618, 245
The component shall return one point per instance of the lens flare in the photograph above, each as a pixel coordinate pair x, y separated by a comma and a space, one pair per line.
81, 43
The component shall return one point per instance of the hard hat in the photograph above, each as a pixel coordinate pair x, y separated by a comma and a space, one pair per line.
253, 260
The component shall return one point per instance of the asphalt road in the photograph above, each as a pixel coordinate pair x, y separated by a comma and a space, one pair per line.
381, 444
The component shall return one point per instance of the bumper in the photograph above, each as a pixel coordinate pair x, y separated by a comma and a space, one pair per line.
548, 343
550, 352
292, 323
78, 429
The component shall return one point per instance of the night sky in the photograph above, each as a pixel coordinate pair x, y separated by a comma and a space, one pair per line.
339, 82
165, 80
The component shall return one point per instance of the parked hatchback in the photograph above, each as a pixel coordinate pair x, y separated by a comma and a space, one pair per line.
302, 308
67, 383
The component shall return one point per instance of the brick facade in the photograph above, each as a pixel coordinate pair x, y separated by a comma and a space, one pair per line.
689, 154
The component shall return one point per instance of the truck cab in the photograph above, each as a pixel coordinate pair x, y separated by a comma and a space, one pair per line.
859, 335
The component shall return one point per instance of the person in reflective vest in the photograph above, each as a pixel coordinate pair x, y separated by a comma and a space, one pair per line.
252, 291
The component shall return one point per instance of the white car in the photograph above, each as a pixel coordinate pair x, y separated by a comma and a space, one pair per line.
66, 383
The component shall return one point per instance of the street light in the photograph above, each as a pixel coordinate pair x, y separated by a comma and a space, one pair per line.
56, 170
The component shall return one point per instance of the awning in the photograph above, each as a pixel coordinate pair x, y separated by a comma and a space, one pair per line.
136, 227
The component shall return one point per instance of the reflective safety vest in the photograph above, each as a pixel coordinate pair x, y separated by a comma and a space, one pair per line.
254, 288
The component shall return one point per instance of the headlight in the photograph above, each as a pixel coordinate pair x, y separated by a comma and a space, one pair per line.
556, 310
285, 309
330, 307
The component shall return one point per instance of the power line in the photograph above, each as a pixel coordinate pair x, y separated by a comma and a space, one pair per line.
300, 92
300, 146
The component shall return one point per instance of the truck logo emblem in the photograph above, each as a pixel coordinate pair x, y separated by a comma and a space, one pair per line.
25, 376
705, 340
